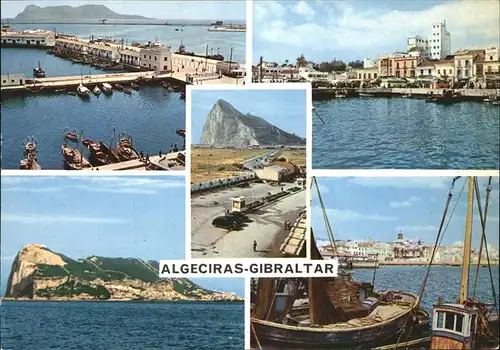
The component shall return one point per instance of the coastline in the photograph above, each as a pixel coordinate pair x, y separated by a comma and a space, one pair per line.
8, 299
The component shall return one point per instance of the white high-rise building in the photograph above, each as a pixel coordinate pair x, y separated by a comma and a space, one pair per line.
440, 41
420, 44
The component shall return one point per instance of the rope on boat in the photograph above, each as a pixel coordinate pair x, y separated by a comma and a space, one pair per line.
436, 245
255, 335
483, 238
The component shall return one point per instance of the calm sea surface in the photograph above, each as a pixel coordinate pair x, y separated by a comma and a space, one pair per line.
151, 116
122, 325
195, 39
443, 282
398, 133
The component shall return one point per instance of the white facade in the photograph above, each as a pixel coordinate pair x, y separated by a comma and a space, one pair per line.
418, 44
131, 57
28, 38
310, 74
157, 58
445, 69
426, 70
105, 51
491, 54
464, 65
440, 41
369, 63
13, 79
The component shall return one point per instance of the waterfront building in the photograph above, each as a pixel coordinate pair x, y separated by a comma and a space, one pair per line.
445, 69
440, 41
195, 64
28, 38
464, 63
405, 67
404, 249
312, 75
369, 73
103, 50
491, 61
13, 79
130, 57
369, 63
426, 70
419, 44
232, 69
72, 44
156, 57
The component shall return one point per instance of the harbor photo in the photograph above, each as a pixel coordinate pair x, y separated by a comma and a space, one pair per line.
96, 93
248, 172
394, 86
91, 272
435, 283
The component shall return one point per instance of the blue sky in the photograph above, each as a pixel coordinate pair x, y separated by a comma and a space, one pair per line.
350, 30
285, 109
378, 208
190, 10
103, 216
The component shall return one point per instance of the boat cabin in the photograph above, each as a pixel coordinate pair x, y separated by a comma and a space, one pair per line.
453, 326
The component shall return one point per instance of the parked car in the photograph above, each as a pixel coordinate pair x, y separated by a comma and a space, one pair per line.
240, 216
226, 222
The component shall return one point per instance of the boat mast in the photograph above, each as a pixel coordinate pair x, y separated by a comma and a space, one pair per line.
464, 283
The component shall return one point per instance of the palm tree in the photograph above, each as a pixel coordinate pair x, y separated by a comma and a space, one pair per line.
301, 61
286, 62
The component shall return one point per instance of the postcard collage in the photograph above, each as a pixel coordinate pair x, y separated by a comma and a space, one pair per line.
365, 133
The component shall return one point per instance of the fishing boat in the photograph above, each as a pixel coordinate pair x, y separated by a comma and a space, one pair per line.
113, 67
127, 91
96, 91
83, 92
181, 132
134, 86
73, 159
119, 87
107, 89
97, 156
365, 94
340, 95
39, 72
449, 97
31, 155
124, 150
86, 141
341, 312
70, 135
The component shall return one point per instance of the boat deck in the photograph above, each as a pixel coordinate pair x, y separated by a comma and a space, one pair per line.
165, 162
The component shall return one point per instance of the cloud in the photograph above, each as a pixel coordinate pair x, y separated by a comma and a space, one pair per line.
340, 26
409, 228
404, 204
56, 219
340, 215
302, 8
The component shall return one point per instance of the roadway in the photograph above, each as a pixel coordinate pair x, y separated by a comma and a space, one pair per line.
258, 161
267, 222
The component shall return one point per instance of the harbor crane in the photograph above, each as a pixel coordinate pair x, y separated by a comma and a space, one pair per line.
103, 21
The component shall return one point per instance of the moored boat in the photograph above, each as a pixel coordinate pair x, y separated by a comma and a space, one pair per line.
119, 87
39, 72
70, 135
31, 155
127, 90
96, 91
73, 159
124, 150
86, 141
134, 86
97, 156
181, 132
82, 91
107, 89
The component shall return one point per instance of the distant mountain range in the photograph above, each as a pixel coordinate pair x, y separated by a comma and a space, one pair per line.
69, 13
226, 126
38, 273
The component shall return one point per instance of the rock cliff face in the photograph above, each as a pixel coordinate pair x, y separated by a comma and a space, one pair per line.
40, 274
226, 126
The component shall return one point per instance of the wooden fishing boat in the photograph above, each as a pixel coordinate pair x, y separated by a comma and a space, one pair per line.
107, 89
134, 86
113, 67
86, 141
119, 87
96, 91
39, 72
73, 159
181, 132
97, 156
31, 155
124, 150
83, 92
70, 135
127, 91
468, 323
